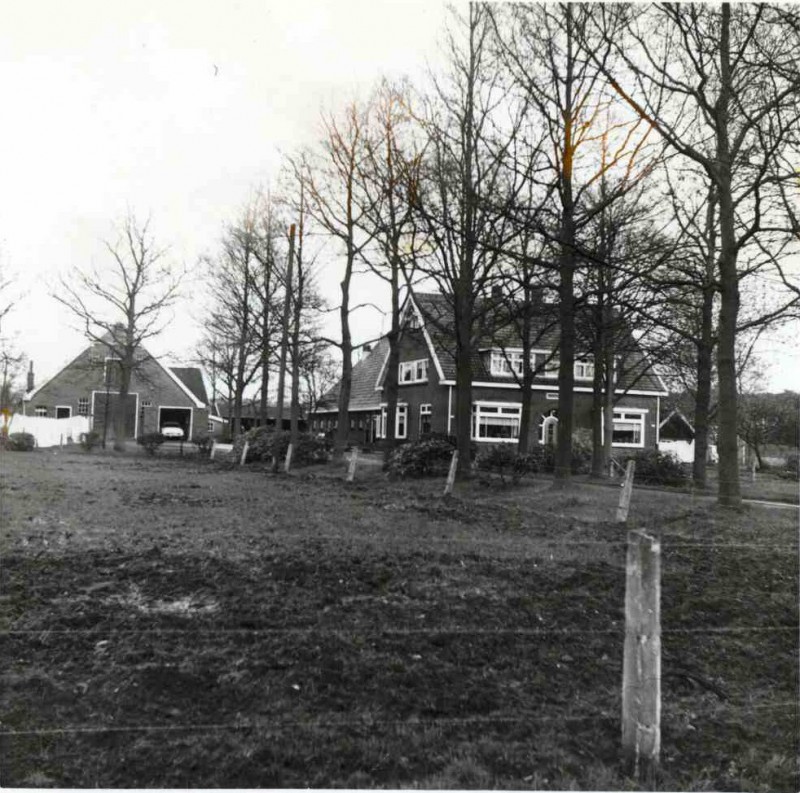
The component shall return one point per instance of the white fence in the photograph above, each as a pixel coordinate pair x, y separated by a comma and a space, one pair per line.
50, 432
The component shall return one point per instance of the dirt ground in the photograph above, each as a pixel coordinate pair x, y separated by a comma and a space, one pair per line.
169, 622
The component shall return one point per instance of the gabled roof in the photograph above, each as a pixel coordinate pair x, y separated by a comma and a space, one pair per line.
192, 378
676, 416
438, 327
172, 373
437, 314
363, 395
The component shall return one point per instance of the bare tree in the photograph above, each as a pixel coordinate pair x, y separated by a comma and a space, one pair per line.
466, 192
720, 84
389, 176
120, 306
546, 49
331, 176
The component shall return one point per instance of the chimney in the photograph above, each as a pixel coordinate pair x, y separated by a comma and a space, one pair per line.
30, 377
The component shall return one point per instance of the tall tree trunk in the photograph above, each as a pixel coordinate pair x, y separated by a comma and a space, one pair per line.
285, 322
729, 487
343, 423
566, 369
390, 381
263, 406
526, 398
464, 320
702, 403
598, 357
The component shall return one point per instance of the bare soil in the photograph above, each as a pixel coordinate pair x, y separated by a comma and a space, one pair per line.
170, 622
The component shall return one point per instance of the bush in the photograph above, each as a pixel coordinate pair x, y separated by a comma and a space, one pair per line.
793, 463
265, 442
151, 441
21, 442
657, 468
89, 440
429, 457
542, 459
502, 459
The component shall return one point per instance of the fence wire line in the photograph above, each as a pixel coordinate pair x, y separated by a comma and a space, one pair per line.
374, 629
265, 724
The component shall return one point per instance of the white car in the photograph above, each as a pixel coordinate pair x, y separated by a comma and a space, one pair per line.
172, 430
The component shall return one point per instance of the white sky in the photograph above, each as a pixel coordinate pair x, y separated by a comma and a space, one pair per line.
180, 110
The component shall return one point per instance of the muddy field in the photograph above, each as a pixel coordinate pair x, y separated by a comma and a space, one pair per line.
169, 622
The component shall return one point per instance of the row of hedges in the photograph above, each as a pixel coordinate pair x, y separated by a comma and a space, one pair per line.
431, 457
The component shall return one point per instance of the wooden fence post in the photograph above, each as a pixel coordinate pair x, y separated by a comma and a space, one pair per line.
451, 474
244, 453
213, 449
351, 471
288, 462
641, 668
753, 470
625, 495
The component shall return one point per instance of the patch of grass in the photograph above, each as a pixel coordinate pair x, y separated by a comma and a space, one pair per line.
273, 631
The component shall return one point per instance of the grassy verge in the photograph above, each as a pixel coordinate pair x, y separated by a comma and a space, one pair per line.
172, 623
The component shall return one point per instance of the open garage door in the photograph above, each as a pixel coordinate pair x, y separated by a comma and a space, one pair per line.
171, 417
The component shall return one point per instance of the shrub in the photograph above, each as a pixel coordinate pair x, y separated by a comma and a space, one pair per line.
502, 459
265, 442
21, 442
150, 441
793, 463
657, 468
429, 457
89, 440
542, 459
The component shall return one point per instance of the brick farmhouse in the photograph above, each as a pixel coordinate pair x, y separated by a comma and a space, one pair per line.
88, 386
427, 378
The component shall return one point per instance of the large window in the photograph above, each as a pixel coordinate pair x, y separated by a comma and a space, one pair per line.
400, 423
496, 422
425, 415
413, 371
506, 364
628, 428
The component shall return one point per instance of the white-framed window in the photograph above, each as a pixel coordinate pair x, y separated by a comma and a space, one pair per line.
40, 412
508, 362
628, 429
505, 363
584, 369
400, 422
496, 422
413, 371
210, 426
425, 418
83, 406
412, 321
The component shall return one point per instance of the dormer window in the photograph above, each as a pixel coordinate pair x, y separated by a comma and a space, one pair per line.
584, 369
413, 371
412, 321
